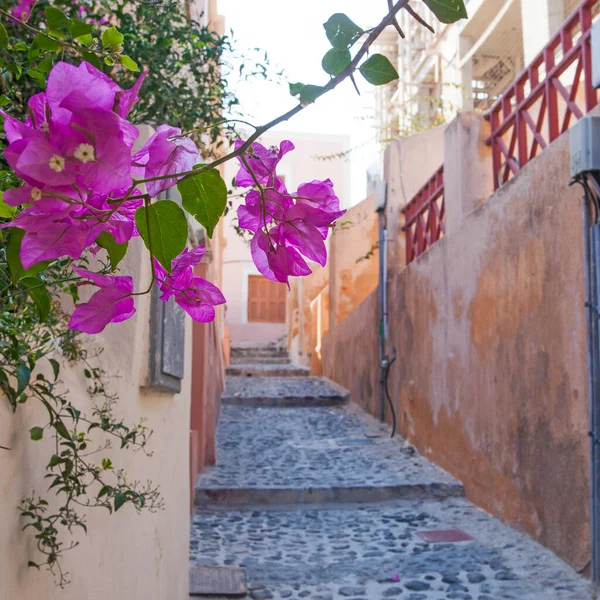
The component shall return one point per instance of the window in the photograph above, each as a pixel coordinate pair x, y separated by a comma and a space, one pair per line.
266, 300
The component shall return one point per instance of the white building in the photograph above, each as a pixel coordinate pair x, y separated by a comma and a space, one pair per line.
463, 66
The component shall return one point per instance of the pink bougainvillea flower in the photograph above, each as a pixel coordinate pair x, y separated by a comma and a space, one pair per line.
127, 98
165, 153
28, 194
255, 214
194, 294
120, 219
112, 303
274, 259
262, 161
52, 229
319, 194
88, 87
22, 10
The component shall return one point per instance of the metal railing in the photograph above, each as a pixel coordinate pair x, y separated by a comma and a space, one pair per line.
425, 217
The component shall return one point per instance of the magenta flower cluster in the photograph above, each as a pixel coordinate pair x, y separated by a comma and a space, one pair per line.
288, 227
75, 155
22, 10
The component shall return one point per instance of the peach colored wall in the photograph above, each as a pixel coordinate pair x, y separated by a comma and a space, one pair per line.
124, 555
329, 295
353, 267
490, 382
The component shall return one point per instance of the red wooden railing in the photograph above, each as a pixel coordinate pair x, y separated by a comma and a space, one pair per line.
551, 93
555, 89
425, 217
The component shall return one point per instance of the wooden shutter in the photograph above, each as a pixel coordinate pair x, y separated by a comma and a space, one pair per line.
266, 300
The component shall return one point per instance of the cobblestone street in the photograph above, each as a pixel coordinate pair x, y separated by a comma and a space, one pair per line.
317, 502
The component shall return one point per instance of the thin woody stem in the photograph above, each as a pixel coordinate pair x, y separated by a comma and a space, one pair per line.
331, 85
48, 37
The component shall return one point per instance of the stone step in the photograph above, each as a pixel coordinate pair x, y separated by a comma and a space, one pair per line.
236, 497
259, 351
260, 360
378, 552
283, 392
300, 456
267, 370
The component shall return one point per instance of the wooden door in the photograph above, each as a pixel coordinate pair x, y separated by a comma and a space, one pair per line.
266, 300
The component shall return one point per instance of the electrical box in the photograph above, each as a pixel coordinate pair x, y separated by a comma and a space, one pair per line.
585, 146
380, 197
596, 54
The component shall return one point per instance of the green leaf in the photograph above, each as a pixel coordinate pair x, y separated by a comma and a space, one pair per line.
3, 37
306, 93
41, 41
378, 70
55, 367
39, 295
79, 28
55, 460
57, 19
120, 499
4, 100
116, 252
341, 31
23, 376
6, 211
92, 59
61, 430
129, 63
336, 60
13, 257
36, 433
204, 196
85, 40
310, 93
112, 38
104, 490
296, 88
164, 228
38, 77
448, 11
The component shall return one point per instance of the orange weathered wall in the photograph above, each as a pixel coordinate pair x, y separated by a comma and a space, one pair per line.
209, 357
490, 381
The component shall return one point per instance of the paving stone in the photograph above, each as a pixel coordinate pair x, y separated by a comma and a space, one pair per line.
417, 586
300, 457
351, 591
345, 551
283, 392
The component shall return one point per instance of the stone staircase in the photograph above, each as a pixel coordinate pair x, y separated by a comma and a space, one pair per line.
263, 361
312, 499
288, 438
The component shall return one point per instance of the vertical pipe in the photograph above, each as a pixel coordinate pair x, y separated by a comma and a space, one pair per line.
594, 286
589, 299
382, 308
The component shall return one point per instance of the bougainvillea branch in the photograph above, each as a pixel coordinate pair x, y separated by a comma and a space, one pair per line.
75, 193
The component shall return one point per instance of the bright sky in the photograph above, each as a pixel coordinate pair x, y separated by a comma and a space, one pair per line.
293, 36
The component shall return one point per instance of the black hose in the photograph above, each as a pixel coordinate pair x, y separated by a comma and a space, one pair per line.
387, 391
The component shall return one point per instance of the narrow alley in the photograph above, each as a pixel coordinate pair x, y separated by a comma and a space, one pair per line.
312, 499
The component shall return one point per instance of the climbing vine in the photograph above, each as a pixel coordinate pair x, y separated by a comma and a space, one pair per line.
75, 79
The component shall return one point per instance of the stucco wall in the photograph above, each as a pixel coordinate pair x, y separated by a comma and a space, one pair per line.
124, 555
490, 381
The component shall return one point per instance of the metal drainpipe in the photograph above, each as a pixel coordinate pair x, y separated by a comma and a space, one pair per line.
592, 283
383, 307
